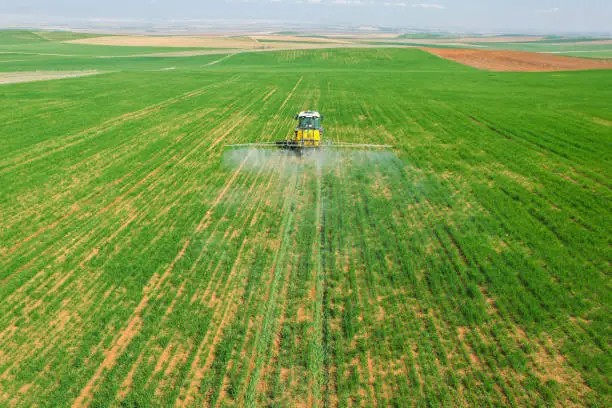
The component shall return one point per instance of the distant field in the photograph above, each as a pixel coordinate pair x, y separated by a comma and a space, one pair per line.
581, 48
17, 62
585, 47
518, 61
245, 42
425, 36
604, 54
142, 264
14, 37
54, 44
130, 41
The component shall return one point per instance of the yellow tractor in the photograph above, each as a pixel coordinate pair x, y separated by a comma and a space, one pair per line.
308, 137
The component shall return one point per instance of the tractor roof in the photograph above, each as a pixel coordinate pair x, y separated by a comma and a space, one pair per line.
309, 114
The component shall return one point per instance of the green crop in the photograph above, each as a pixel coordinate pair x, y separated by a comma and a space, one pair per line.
142, 264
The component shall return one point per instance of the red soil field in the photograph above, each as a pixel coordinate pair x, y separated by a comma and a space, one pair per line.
517, 61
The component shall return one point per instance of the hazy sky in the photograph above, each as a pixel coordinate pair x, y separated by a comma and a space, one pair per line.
541, 15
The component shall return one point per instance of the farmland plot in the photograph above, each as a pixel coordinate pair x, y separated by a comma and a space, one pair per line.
143, 264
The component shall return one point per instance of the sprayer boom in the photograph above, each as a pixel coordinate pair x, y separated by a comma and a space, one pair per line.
308, 136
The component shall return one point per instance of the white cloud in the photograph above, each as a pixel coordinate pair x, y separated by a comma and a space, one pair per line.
349, 2
550, 10
428, 5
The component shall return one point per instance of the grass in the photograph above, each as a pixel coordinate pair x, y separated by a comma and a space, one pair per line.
24, 37
90, 50
19, 63
143, 264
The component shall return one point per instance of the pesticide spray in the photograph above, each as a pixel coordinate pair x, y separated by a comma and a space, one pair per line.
285, 162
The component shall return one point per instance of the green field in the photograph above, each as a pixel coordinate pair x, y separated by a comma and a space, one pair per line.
53, 44
583, 48
142, 264
16, 37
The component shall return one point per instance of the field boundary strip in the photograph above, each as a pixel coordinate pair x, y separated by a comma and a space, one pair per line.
7, 78
215, 62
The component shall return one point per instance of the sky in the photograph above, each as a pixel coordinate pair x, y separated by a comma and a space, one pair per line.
473, 15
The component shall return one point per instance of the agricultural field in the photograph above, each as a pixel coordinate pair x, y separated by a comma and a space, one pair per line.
64, 44
144, 264
517, 61
583, 47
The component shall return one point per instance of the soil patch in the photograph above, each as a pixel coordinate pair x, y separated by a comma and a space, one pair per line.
501, 39
291, 38
216, 42
517, 61
595, 42
15, 77
167, 41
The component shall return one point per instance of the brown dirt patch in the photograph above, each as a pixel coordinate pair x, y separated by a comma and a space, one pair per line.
500, 39
301, 315
291, 38
15, 77
462, 331
594, 42
167, 41
24, 389
208, 42
517, 61
363, 37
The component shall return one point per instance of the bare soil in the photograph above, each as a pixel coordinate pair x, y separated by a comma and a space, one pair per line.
292, 38
500, 39
370, 36
517, 61
604, 42
206, 42
15, 77
166, 41
459, 41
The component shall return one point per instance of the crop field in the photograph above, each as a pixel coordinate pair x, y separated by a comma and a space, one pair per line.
143, 264
518, 61
60, 44
583, 49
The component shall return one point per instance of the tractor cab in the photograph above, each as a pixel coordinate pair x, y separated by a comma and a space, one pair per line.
309, 131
